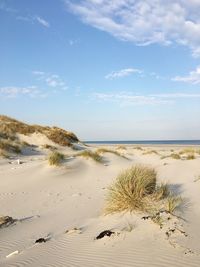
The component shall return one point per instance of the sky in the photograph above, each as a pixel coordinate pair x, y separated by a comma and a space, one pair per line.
106, 70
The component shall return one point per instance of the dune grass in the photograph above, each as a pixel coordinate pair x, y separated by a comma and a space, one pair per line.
3, 154
175, 156
172, 203
106, 150
136, 189
9, 127
122, 147
149, 152
138, 148
55, 158
90, 154
9, 146
50, 147
190, 156
188, 150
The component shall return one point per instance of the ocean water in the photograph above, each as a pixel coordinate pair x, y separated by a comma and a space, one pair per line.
148, 142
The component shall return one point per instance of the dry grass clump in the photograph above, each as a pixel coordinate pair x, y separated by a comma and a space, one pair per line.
3, 154
172, 203
55, 158
50, 147
138, 148
122, 147
149, 152
175, 156
89, 154
106, 150
9, 146
188, 150
137, 189
190, 156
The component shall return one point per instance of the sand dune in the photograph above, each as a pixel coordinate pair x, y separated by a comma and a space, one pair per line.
64, 205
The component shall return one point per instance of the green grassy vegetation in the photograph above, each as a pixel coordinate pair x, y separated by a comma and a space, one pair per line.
136, 189
55, 158
90, 154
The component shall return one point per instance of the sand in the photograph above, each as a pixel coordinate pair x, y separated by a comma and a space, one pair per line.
64, 206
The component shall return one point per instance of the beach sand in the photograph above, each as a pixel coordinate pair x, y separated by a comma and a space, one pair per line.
64, 205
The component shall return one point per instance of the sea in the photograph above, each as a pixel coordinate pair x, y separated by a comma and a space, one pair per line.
147, 142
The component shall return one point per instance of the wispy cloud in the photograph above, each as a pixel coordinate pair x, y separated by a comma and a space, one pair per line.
51, 80
19, 16
193, 77
6, 8
34, 19
144, 22
126, 99
42, 21
122, 73
13, 91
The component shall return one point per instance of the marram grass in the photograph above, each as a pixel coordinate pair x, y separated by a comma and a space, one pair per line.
136, 189
55, 158
106, 150
90, 154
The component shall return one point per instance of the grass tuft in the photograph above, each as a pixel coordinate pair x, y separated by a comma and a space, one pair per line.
188, 150
55, 158
122, 147
89, 154
137, 189
138, 148
172, 203
50, 147
175, 156
149, 152
190, 156
9, 146
106, 150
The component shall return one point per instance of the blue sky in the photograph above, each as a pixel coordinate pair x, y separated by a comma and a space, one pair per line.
107, 70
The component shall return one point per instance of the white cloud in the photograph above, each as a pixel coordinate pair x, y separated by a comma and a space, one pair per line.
193, 77
51, 80
40, 73
144, 22
14, 91
125, 98
42, 21
54, 81
122, 73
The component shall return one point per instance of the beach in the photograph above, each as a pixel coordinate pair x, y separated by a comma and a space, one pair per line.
64, 205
